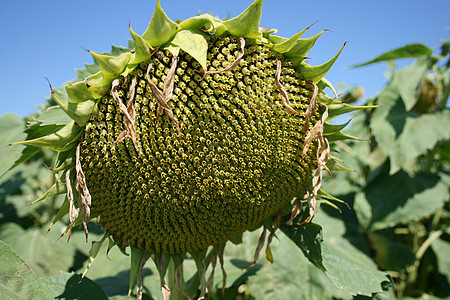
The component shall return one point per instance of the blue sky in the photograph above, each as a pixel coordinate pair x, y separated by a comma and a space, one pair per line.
44, 38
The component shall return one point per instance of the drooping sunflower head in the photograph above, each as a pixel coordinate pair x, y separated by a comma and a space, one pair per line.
204, 130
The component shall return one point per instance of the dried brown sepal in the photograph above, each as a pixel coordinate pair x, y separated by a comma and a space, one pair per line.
316, 132
129, 112
311, 107
323, 159
210, 281
73, 213
262, 239
84, 197
283, 92
297, 208
139, 281
233, 64
179, 278
224, 274
164, 288
276, 225
323, 153
163, 97
203, 281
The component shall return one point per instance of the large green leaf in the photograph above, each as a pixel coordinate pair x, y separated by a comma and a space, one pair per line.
441, 248
409, 80
308, 238
17, 279
347, 266
291, 276
408, 51
72, 286
20, 187
390, 254
43, 253
111, 270
402, 133
418, 136
11, 130
62, 140
400, 198
235, 273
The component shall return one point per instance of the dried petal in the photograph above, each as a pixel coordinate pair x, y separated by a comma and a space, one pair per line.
163, 97
262, 239
284, 94
233, 64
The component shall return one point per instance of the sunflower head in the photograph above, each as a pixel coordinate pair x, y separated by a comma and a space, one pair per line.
203, 130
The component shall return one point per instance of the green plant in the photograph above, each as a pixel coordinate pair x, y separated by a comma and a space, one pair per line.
399, 191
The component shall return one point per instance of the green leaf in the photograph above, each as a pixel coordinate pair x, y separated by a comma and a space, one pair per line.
63, 210
441, 248
236, 274
79, 112
93, 252
96, 85
337, 109
308, 238
56, 189
291, 276
50, 117
347, 266
20, 187
72, 286
287, 44
363, 210
329, 128
403, 134
143, 50
339, 136
136, 257
111, 270
301, 48
315, 73
192, 43
336, 164
26, 154
89, 70
409, 80
17, 279
246, 25
390, 254
43, 253
62, 140
161, 29
11, 130
110, 66
408, 51
78, 92
350, 270
419, 135
206, 21
399, 198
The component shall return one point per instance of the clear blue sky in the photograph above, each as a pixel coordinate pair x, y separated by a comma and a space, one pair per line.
44, 38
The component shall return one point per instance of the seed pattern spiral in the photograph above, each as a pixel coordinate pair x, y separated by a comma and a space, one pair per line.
237, 160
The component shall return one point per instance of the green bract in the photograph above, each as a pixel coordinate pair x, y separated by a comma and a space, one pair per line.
204, 130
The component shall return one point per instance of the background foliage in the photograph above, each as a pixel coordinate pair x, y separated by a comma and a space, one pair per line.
393, 242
